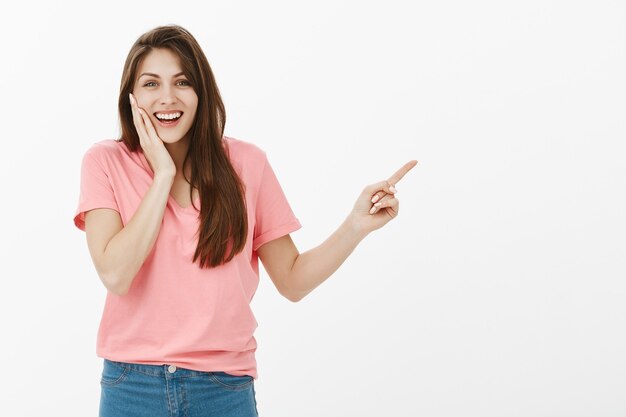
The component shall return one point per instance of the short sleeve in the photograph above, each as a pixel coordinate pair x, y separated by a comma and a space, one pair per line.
95, 188
274, 216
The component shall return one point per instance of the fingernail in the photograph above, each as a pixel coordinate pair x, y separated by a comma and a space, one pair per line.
378, 204
375, 198
392, 189
372, 210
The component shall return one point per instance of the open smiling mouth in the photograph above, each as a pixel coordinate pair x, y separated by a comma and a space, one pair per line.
168, 120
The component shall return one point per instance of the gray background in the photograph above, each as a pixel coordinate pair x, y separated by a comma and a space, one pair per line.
498, 291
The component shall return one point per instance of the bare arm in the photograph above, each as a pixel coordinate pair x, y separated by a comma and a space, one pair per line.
295, 275
118, 252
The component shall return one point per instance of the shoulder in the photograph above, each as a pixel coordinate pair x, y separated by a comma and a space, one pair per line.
245, 153
106, 151
104, 148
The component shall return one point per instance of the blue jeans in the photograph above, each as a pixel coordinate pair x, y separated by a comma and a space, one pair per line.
137, 390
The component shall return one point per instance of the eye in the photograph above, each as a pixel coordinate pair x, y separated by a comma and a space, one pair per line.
148, 84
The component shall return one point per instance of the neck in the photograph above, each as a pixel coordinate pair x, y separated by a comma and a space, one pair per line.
177, 151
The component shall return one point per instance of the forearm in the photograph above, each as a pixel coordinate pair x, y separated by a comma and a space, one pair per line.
314, 266
128, 249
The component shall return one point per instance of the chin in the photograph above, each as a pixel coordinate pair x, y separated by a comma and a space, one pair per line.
169, 138
165, 139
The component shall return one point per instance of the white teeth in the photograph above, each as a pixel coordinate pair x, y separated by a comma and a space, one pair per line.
168, 116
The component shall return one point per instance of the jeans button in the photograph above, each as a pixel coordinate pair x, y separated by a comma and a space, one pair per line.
172, 369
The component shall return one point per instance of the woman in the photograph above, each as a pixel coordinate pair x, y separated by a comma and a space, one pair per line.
176, 217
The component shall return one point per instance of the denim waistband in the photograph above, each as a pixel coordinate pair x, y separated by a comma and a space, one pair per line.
165, 370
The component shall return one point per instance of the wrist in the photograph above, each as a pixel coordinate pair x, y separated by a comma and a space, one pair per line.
164, 177
355, 228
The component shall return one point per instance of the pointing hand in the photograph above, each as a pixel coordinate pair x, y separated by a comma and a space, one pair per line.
377, 204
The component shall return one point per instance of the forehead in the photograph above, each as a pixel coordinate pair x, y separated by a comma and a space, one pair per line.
160, 61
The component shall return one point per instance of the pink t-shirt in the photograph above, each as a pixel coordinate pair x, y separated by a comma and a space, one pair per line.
175, 312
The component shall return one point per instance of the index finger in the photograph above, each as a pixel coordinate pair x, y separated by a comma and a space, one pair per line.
138, 120
397, 176
134, 108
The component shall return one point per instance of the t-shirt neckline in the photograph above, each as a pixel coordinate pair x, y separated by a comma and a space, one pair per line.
170, 199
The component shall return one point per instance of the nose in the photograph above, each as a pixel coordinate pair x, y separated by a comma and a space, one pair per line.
168, 95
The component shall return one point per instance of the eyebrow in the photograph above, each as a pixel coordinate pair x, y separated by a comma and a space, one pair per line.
157, 75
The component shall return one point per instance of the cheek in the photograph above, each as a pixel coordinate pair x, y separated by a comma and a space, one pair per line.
192, 100
193, 112
141, 101
142, 96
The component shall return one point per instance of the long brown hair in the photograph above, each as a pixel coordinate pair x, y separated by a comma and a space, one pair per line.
223, 214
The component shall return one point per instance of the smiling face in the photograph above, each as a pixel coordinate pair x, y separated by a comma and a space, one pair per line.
163, 91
